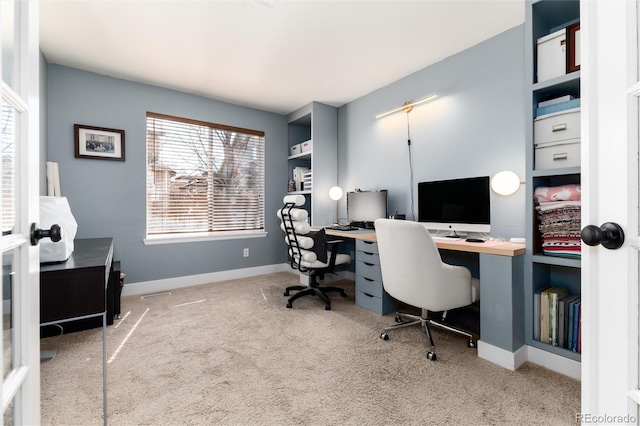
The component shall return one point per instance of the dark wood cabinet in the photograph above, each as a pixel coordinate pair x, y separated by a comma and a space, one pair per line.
81, 288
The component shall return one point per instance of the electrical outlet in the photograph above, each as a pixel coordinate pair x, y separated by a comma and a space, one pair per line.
245, 252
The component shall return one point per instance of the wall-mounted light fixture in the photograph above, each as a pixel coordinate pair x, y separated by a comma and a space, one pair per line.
505, 183
335, 193
408, 106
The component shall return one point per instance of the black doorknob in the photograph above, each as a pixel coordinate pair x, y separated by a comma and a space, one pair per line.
610, 235
55, 233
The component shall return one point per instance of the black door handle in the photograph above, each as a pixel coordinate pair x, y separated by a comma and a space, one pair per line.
55, 233
610, 235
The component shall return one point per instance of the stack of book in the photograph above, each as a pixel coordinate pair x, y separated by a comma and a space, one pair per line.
557, 317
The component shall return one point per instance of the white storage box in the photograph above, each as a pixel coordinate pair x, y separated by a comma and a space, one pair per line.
295, 149
557, 126
552, 55
306, 146
556, 154
557, 140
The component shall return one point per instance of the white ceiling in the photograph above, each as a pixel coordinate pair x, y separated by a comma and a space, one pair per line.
275, 59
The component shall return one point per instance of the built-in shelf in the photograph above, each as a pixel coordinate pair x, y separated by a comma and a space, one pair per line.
301, 156
556, 260
544, 17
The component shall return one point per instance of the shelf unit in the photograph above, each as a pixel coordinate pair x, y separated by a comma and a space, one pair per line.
544, 17
318, 124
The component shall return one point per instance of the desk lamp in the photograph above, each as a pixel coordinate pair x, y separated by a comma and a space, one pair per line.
335, 193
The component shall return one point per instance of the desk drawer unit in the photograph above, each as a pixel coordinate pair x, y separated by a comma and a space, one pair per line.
369, 290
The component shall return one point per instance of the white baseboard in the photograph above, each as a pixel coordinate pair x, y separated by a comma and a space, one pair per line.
148, 287
501, 357
554, 362
513, 361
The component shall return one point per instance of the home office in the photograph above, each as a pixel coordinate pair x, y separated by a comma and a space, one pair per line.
455, 136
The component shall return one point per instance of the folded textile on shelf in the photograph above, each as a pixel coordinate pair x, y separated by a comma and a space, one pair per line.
570, 192
558, 211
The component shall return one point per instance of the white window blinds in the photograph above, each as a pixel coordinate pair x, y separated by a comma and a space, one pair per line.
203, 177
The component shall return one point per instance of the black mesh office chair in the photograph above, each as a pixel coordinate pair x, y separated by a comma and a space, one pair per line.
308, 251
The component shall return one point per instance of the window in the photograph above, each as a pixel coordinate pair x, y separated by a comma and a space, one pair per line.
203, 177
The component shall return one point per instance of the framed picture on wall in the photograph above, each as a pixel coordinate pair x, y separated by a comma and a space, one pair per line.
98, 143
573, 52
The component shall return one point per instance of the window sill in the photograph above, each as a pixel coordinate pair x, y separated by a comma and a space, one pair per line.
202, 236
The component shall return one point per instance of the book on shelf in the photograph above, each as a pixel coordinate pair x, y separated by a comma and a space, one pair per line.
298, 177
536, 316
576, 328
554, 297
544, 315
556, 100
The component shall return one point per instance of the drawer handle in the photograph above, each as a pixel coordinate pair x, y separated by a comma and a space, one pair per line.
367, 242
368, 279
560, 156
367, 294
368, 264
368, 253
559, 127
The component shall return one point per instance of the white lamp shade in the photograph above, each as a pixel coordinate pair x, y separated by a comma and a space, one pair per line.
505, 183
335, 193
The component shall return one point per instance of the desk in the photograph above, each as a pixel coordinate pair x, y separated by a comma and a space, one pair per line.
77, 289
501, 269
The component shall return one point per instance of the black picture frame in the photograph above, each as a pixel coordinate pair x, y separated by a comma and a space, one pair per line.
98, 143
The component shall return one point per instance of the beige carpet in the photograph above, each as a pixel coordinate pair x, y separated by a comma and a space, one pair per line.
230, 353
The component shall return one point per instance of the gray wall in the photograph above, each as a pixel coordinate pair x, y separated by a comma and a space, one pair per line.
474, 128
107, 198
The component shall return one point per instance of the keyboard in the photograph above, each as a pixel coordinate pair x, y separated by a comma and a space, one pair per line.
341, 228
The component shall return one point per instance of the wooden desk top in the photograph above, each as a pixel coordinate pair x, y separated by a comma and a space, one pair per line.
500, 248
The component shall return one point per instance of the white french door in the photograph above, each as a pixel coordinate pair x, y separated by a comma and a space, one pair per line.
610, 95
19, 144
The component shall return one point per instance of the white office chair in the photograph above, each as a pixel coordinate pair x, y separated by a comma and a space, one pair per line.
414, 273
308, 251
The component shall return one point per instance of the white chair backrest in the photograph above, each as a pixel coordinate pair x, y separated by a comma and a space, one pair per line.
412, 269
295, 226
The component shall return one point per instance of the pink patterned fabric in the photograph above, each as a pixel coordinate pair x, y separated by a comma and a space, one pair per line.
558, 209
570, 192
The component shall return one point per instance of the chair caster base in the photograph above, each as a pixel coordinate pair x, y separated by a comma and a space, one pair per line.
384, 336
471, 343
431, 356
289, 305
286, 293
327, 307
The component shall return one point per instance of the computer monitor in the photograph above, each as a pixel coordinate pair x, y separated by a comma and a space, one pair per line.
455, 205
364, 207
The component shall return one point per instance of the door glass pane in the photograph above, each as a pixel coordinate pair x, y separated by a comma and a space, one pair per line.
8, 274
7, 19
7, 147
